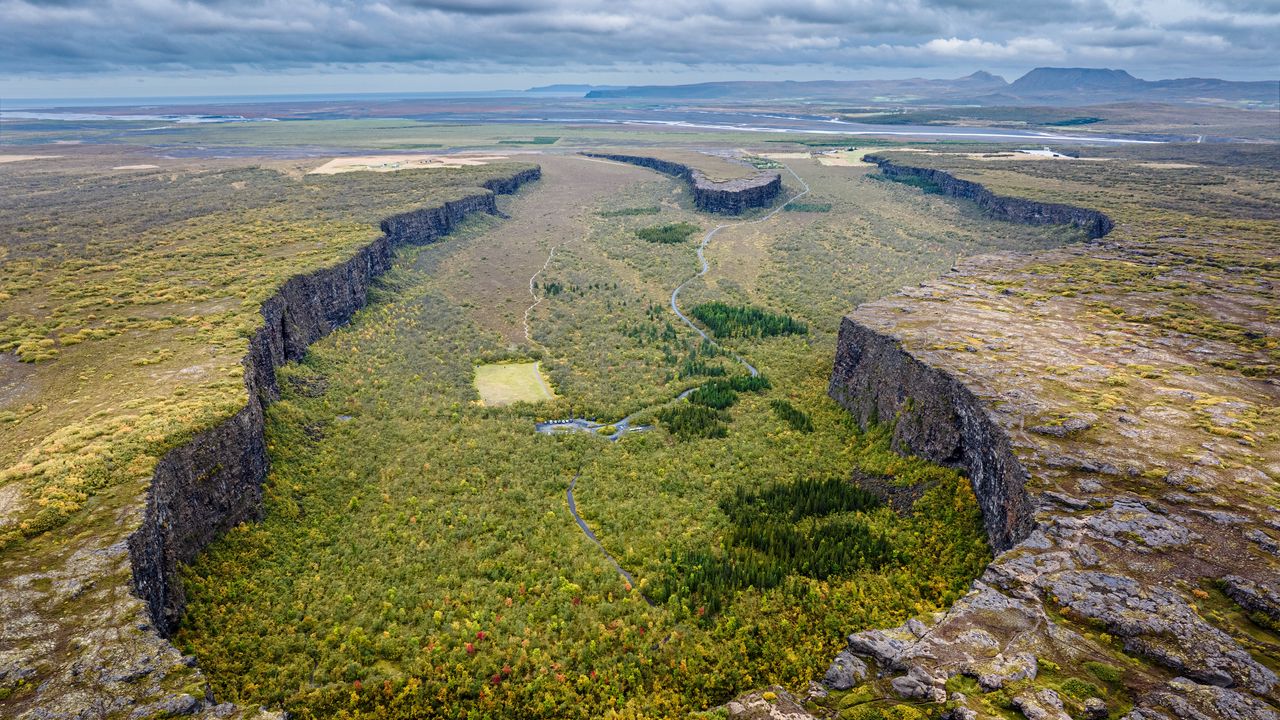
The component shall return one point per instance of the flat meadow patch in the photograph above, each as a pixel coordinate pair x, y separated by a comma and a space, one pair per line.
506, 383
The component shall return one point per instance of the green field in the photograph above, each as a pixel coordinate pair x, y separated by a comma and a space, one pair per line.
506, 383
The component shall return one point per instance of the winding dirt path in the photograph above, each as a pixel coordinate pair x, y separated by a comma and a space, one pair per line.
702, 258
675, 307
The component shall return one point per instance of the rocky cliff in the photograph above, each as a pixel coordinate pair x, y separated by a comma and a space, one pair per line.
1095, 224
214, 482
935, 417
121, 663
1116, 453
731, 198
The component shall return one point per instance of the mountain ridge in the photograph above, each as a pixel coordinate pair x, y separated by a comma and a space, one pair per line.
1043, 85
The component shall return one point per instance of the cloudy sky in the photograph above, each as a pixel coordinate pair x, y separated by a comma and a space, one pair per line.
115, 48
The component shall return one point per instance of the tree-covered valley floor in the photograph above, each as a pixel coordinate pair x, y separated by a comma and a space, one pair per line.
417, 558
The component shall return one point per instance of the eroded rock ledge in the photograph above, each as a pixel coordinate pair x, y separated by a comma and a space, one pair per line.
1001, 207
731, 198
85, 638
935, 417
1118, 473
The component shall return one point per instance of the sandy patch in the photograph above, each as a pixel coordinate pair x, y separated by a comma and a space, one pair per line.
134, 167
5, 158
389, 163
1167, 166
785, 155
844, 158
505, 383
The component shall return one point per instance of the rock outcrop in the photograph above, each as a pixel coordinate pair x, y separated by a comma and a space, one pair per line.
1096, 224
935, 417
1123, 478
123, 664
733, 197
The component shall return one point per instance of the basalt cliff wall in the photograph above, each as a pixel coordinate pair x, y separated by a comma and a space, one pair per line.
1001, 207
730, 198
1111, 536
935, 417
214, 482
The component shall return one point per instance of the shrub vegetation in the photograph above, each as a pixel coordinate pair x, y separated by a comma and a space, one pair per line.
668, 234
727, 320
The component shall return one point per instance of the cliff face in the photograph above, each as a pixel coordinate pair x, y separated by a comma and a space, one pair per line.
731, 198
1029, 212
935, 417
1114, 463
214, 482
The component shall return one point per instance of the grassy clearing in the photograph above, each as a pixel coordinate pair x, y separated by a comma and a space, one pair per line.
627, 212
506, 383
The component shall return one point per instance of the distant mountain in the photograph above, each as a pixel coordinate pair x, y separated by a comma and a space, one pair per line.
569, 89
982, 76
1047, 79
977, 83
1099, 85
1041, 86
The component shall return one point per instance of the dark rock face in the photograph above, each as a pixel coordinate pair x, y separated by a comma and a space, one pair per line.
730, 198
1019, 210
937, 418
214, 482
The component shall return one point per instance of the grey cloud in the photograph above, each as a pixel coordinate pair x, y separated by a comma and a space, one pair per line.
82, 36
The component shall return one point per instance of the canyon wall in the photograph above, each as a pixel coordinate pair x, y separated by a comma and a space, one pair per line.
1001, 207
935, 417
214, 481
1110, 536
730, 198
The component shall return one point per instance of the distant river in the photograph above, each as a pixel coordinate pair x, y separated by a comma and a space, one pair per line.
575, 111
817, 125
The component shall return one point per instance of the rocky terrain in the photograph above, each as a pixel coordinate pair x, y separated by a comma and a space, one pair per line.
1001, 207
86, 638
732, 197
1115, 405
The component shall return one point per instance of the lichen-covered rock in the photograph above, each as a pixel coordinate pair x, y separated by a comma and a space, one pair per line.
1254, 595
1096, 709
846, 671
1184, 699
1159, 624
1108, 524
1040, 705
772, 703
